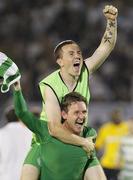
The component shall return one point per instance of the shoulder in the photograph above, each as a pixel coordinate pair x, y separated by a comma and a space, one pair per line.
106, 125
89, 131
50, 77
105, 129
84, 67
84, 75
50, 82
125, 124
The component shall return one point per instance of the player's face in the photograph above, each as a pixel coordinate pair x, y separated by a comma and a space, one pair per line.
75, 117
71, 59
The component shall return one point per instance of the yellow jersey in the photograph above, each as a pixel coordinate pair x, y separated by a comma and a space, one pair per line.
108, 139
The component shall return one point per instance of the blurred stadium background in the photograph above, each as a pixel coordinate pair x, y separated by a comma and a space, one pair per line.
29, 31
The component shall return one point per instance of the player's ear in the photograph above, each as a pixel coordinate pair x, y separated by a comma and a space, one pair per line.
59, 62
64, 115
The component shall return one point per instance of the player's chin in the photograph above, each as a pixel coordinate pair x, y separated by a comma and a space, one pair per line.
77, 73
78, 130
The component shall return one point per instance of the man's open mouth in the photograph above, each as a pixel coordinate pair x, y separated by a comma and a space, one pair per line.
80, 123
77, 64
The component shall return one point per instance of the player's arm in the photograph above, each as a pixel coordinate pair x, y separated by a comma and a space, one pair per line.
21, 110
108, 41
53, 112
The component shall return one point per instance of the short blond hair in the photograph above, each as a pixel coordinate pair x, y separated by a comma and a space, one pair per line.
57, 50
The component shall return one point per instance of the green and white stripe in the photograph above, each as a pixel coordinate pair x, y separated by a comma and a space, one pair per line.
8, 71
127, 156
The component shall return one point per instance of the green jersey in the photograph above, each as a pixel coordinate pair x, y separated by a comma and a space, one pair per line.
59, 161
55, 82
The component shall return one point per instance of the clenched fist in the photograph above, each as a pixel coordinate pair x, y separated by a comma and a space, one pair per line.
110, 12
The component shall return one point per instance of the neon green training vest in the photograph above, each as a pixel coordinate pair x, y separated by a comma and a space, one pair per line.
55, 82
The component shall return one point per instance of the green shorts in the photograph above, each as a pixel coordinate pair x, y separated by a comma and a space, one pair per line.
33, 156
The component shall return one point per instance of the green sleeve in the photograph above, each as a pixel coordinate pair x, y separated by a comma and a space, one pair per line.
29, 119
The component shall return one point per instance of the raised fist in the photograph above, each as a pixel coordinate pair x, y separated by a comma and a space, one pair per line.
110, 12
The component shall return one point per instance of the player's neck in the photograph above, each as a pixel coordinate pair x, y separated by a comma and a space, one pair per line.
69, 80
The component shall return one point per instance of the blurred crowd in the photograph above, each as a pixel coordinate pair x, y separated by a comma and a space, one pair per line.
29, 31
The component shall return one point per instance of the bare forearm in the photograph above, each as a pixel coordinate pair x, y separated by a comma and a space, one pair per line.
106, 46
67, 137
64, 135
110, 35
